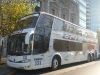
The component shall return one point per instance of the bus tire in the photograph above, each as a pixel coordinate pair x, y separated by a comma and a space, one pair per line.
89, 58
92, 58
55, 63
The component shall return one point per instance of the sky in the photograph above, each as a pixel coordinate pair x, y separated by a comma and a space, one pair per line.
95, 15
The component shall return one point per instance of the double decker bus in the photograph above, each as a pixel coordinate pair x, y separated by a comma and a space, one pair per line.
45, 40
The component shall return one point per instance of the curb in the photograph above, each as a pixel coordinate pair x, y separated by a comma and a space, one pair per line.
12, 73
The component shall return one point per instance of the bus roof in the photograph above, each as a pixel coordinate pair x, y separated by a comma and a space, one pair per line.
60, 19
66, 21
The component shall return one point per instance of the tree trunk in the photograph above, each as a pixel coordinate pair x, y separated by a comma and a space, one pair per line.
0, 27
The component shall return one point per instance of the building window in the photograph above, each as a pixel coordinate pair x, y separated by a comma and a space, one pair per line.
53, 11
64, 16
72, 20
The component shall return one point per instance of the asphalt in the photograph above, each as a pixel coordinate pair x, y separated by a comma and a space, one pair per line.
4, 69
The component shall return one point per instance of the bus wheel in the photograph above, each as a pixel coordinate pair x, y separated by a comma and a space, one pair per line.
89, 58
55, 63
92, 58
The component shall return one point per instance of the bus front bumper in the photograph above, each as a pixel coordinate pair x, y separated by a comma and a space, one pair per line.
25, 66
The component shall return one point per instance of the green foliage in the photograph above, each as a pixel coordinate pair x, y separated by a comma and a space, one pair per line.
12, 12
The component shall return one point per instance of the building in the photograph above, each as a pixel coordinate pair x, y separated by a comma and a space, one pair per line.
71, 10
95, 15
88, 14
82, 13
66, 9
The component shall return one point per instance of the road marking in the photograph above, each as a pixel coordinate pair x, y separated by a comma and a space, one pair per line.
12, 73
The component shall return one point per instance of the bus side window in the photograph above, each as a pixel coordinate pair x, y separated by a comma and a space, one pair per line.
65, 45
72, 46
58, 45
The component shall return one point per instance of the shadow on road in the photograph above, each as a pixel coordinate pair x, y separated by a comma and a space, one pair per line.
46, 70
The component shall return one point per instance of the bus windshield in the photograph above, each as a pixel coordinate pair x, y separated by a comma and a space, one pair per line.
27, 22
17, 46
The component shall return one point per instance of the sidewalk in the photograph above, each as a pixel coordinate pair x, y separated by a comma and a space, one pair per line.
4, 69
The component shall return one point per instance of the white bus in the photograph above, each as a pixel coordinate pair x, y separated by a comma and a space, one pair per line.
45, 40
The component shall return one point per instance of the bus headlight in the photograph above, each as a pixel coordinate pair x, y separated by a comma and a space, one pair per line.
25, 61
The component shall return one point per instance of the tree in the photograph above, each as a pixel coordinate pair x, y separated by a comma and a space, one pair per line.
13, 11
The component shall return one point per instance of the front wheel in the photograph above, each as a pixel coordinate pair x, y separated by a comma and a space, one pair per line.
55, 63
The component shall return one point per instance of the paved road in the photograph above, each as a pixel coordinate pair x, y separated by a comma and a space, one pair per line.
83, 68
93, 69
4, 69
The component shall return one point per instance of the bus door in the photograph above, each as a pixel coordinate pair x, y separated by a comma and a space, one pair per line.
38, 55
41, 56
41, 60
38, 61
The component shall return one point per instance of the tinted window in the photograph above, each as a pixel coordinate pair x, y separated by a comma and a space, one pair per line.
17, 46
39, 31
47, 33
45, 21
78, 46
58, 45
65, 45
29, 22
61, 45
72, 46
43, 29
38, 44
